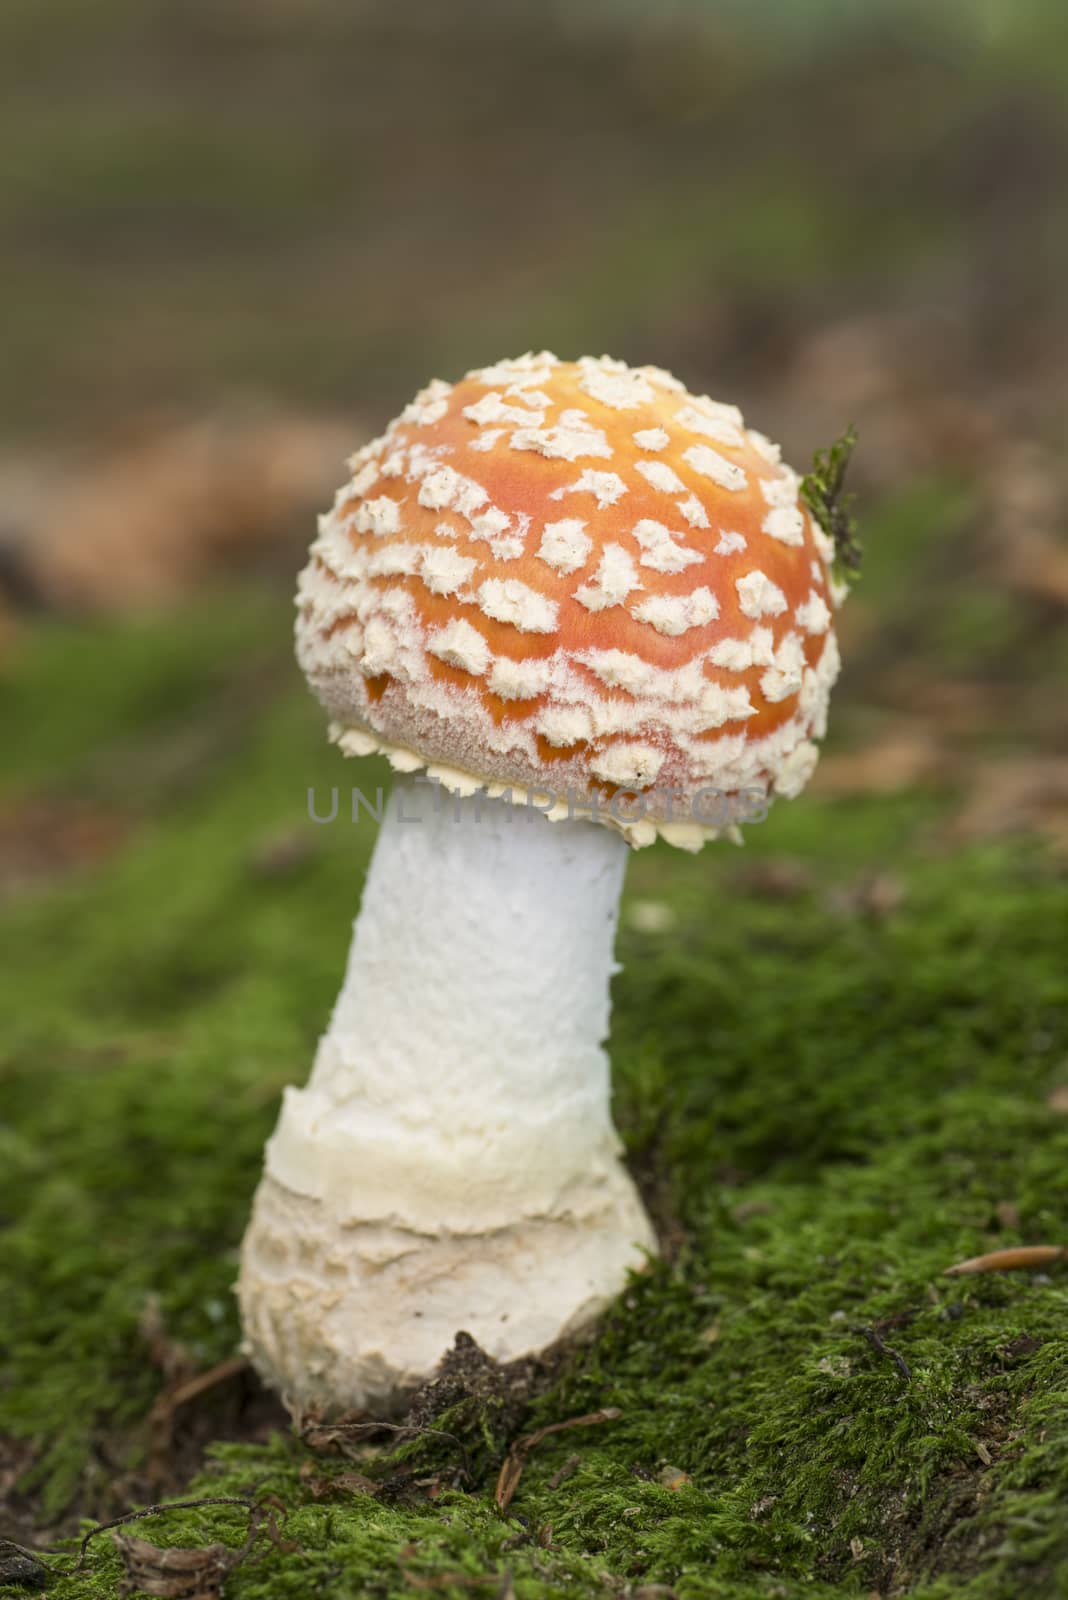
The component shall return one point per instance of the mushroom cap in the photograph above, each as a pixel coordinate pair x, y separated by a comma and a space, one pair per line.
576, 580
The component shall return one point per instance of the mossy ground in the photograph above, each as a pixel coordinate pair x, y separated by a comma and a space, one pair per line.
829, 1095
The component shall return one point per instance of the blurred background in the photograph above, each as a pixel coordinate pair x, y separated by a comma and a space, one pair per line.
238, 234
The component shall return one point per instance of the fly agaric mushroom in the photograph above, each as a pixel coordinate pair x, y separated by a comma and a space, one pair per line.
591, 609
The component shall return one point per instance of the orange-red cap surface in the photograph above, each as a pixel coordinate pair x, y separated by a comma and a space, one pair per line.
575, 578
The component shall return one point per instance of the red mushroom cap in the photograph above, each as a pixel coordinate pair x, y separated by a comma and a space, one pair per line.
576, 578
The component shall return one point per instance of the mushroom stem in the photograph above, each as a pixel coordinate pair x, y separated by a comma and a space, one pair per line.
452, 1163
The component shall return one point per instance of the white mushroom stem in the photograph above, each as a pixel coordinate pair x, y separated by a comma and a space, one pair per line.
452, 1163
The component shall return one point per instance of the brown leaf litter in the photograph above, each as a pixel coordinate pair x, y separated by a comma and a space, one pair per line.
149, 518
1016, 796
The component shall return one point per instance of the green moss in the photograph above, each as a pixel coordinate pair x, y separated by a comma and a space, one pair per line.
827, 1104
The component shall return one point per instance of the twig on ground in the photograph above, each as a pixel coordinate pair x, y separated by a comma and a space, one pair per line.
1018, 1258
878, 1343
515, 1460
176, 1394
561, 1475
233, 1367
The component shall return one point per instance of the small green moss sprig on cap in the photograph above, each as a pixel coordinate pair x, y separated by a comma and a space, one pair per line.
822, 490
